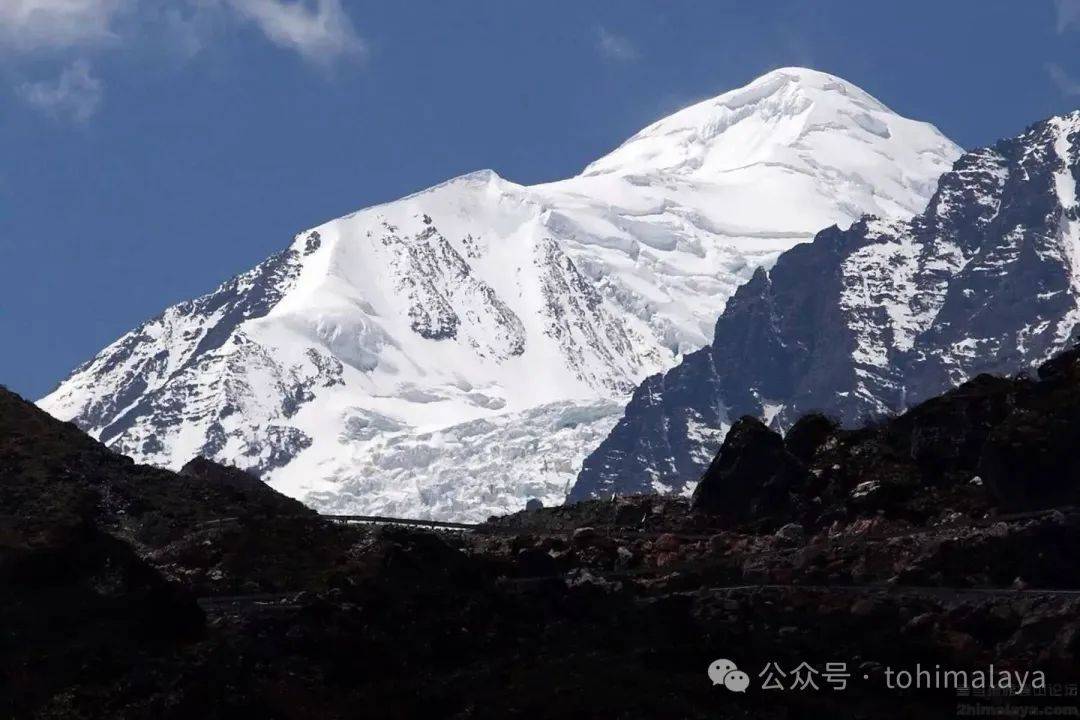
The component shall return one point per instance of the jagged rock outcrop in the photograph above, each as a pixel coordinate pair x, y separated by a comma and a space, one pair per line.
753, 475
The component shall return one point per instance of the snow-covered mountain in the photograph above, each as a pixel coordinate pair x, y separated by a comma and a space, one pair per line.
458, 351
870, 320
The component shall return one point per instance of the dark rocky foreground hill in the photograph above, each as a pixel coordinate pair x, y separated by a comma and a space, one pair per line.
947, 536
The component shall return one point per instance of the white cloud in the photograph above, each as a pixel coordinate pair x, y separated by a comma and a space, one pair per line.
615, 47
1067, 84
27, 25
1068, 14
320, 30
75, 95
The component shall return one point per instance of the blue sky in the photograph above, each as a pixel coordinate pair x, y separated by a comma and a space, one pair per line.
149, 149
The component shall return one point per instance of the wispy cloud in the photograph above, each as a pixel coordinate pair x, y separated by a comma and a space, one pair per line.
1068, 14
319, 30
614, 47
75, 95
66, 31
33, 25
1067, 84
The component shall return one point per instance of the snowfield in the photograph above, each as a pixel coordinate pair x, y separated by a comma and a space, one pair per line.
459, 351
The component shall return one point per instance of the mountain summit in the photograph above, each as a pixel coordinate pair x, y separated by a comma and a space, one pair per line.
458, 351
801, 120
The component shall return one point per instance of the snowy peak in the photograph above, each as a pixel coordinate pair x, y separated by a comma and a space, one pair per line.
772, 112
457, 351
800, 120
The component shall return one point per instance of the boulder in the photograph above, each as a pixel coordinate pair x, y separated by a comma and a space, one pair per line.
584, 536
791, 534
751, 477
809, 433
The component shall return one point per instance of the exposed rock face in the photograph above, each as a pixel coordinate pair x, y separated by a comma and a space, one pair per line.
866, 322
436, 280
